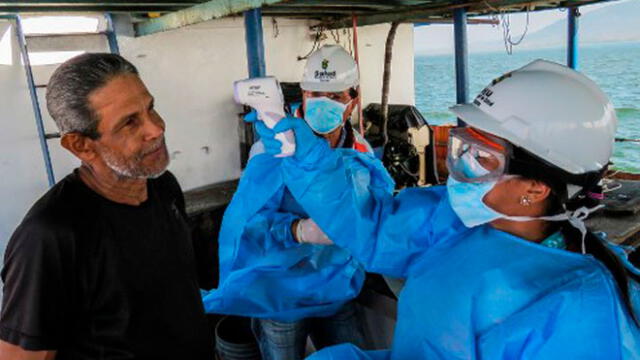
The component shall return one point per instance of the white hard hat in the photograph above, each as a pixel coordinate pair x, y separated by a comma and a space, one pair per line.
330, 69
550, 110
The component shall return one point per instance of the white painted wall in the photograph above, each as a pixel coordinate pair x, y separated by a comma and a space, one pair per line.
22, 175
190, 72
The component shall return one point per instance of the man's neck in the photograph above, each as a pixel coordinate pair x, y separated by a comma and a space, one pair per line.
113, 186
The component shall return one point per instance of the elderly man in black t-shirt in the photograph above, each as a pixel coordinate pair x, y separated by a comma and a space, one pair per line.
102, 266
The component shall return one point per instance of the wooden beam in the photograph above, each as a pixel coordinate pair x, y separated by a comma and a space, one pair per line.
202, 12
450, 21
313, 10
372, 4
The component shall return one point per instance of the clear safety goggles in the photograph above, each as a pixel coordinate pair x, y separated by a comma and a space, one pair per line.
476, 157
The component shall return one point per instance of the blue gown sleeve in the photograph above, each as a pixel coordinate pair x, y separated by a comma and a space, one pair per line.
268, 231
260, 261
272, 224
350, 196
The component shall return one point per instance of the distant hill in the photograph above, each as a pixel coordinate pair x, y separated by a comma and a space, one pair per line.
614, 23
617, 21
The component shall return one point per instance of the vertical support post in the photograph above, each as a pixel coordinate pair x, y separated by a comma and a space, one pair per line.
255, 42
111, 35
34, 101
572, 37
461, 54
356, 56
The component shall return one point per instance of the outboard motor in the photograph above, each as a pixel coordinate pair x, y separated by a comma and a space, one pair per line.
410, 139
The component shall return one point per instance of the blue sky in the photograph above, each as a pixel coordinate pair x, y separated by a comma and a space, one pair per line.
438, 39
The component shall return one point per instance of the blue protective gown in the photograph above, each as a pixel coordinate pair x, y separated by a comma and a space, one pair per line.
470, 293
264, 272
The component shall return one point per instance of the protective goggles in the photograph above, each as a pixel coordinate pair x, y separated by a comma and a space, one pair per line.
476, 157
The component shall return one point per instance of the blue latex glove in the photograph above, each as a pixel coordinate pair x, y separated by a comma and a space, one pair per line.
306, 140
272, 146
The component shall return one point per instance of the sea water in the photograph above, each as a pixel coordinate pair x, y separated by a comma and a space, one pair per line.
615, 67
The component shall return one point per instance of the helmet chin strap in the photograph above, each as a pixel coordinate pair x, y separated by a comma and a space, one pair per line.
576, 218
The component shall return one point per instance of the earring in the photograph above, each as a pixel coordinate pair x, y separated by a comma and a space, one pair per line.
525, 201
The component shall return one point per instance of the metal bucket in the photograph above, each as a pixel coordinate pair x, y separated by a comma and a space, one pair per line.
235, 340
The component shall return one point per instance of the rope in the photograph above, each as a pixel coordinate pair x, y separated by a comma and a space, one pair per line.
386, 79
276, 29
505, 23
316, 42
335, 34
349, 41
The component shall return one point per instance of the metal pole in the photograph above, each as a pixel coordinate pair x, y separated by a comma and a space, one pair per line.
111, 35
34, 98
255, 42
461, 54
572, 37
256, 65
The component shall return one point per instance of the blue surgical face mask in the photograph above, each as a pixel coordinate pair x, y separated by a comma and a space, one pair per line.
466, 201
323, 114
470, 167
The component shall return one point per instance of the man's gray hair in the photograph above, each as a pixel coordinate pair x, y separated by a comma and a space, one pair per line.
73, 82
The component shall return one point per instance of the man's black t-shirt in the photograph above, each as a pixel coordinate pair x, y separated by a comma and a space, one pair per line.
94, 279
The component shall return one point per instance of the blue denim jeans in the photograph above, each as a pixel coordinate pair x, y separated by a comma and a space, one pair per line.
287, 341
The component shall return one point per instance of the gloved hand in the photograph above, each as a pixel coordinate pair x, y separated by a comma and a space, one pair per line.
306, 140
307, 231
272, 145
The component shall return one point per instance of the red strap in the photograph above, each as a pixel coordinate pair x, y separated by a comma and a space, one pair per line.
360, 147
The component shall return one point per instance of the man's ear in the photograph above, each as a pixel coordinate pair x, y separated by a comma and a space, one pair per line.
537, 191
79, 145
348, 111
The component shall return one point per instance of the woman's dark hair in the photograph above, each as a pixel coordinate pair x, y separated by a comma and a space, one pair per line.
558, 202
599, 250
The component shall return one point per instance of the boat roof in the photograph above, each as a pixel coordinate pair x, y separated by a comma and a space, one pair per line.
161, 15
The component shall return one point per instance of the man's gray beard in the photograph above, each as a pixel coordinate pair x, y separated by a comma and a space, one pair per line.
122, 169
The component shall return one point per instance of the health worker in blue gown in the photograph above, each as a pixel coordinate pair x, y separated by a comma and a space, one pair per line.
290, 289
498, 263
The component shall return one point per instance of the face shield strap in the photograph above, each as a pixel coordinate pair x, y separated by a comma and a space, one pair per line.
575, 217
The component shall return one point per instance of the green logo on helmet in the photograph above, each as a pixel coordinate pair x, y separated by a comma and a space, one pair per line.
325, 64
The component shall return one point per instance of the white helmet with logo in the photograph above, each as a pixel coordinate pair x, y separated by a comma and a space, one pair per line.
550, 110
330, 69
